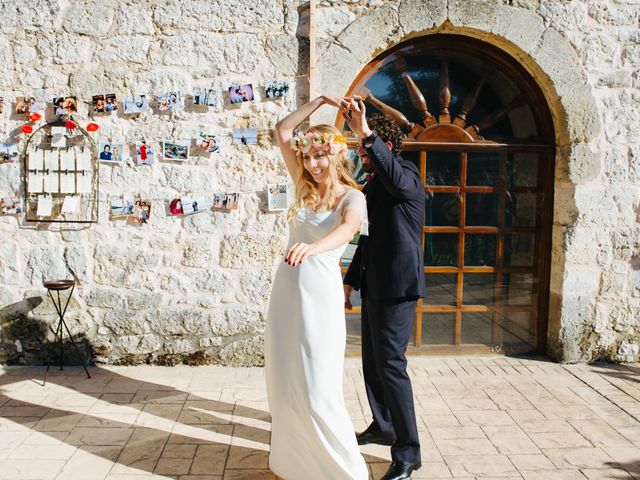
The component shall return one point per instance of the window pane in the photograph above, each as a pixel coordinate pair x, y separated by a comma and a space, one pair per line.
443, 168
439, 289
440, 249
482, 210
522, 169
517, 289
476, 327
442, 210
520, 210
438, 328
482, 169
479, 250
519, 249
478, 289
518, 330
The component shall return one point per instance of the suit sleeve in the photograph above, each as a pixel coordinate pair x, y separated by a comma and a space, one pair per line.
352, 277
400, 181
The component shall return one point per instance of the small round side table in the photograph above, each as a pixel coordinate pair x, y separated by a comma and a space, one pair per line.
58, 286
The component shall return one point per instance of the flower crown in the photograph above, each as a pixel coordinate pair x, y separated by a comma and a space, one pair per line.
329, 142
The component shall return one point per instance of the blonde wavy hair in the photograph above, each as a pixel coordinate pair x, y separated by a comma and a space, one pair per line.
340, 171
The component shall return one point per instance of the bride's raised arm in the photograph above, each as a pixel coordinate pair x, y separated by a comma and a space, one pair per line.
286, 127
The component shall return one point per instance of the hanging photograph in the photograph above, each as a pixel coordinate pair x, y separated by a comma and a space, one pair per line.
141, 211
104, 103
1, 104
45, 205
175, 207
245, 136
144, 154
65, 105
206, 143
226, 201
8, 152
111, 152
135, 104
241, 93
195, 203
28, 105
170, 101
11, 206
176, 150
277, 197
121, 208
70, 204
276, 89
205, 96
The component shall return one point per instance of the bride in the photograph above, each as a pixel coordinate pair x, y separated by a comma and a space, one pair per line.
312, 435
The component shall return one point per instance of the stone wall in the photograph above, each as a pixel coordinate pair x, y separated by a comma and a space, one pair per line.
196, 289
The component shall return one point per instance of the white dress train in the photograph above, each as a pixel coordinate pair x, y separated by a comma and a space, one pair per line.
312, 436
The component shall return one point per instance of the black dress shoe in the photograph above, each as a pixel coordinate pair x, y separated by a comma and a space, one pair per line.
399, 470
367, 437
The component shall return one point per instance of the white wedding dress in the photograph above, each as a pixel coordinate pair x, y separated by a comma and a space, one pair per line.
312, 436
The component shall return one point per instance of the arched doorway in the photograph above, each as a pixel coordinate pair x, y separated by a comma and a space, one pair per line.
480, 130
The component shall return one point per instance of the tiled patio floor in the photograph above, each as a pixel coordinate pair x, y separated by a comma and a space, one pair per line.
479, 417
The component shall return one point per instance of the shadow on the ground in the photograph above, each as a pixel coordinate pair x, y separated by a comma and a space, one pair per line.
148, 426
629, 373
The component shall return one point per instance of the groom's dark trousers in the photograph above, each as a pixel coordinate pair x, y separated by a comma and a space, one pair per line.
388, 269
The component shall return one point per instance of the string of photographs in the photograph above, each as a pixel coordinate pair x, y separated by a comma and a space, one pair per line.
138, 210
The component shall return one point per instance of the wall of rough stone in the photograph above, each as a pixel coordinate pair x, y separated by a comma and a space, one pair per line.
196, 289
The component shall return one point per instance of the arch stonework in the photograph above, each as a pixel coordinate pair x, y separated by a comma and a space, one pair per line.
552, 60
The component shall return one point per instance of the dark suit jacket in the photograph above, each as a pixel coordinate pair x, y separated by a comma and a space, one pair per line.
388, 263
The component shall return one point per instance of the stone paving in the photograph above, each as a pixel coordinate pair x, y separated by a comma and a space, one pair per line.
479, 417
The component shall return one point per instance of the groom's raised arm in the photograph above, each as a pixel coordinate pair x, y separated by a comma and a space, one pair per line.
398, 178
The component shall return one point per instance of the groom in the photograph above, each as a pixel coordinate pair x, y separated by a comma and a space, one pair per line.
388, 268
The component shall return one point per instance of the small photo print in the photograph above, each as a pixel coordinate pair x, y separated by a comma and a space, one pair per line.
144, 154
8, 152
170, 101
276, 89
135, 104
205, 96
241, 93
1, 104
195, 203
277, 197
111, 152
226, 201
27, 105
105, 103
245, 136
176, 150
206, 143
121, 208
65, 105
175, 207
141, 211
10, 206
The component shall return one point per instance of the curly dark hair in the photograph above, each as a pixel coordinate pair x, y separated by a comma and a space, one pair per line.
387, 130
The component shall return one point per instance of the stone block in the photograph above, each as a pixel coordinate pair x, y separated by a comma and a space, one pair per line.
582, 117
255, 286
45, 263
187, 179
139, 344
581, 280
126, 322
420, 15
142, 300
626, 243
614, 280
66, 49
244, 250
283, 52
330, 21
480, 14
123, 49
243, 353
237, 320
134, 19
379, 23
89, 18
105, 298
585, 163
9, 266
6, 60
178, 321
215, 282
520, 26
